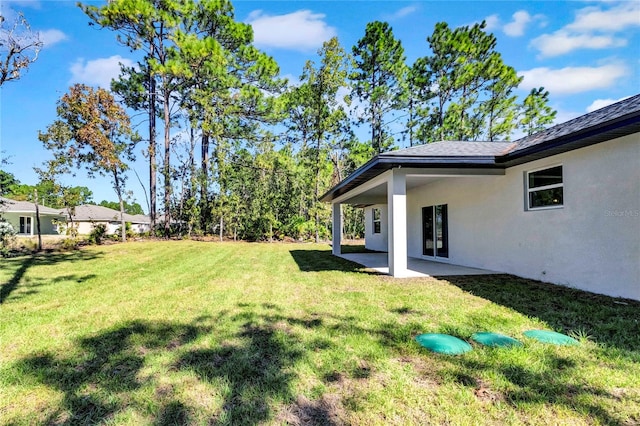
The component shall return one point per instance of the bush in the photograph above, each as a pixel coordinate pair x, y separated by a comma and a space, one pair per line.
7, 234
98, 233
128, 230
69, 244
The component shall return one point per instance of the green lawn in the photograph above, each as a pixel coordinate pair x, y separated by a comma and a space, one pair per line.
238, 333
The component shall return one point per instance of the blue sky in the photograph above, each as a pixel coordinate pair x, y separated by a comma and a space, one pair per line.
587, 54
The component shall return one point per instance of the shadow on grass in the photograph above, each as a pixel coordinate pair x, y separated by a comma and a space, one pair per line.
95, 381
552, 382
20, 265
606, 320
255, 368
323, 260
258, 367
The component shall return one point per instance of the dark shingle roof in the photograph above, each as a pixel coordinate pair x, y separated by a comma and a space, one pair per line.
612, 112
613, 121
455, 149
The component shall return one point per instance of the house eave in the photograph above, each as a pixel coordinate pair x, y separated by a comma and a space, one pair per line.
623, 126
32, 212
383, 162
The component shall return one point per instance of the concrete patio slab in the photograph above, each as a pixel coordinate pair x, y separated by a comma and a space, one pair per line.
415, 267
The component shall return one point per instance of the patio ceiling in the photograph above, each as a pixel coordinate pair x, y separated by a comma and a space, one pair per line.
375, 191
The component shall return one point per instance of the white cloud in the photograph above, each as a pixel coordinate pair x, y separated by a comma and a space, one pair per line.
571, 80
492, 21
626, 14
401, 13
302, 30
562, 42
516, 27
593, 28
601, 103
98, 72
51, 37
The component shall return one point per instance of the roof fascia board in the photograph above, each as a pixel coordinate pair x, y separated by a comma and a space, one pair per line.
328, 196
370, 184
439, 161
572, 141
31, 212
452, 172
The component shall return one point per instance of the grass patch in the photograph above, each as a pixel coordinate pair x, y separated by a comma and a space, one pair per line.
191, 332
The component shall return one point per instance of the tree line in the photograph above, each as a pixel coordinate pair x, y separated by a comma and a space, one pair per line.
240, 152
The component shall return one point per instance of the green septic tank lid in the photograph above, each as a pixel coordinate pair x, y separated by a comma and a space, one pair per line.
495, 339
443, 343
546, 336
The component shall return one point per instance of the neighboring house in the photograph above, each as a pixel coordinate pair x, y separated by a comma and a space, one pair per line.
89, 215
22, 216
561, 206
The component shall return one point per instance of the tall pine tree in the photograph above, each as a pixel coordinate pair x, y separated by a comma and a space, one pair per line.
377, 80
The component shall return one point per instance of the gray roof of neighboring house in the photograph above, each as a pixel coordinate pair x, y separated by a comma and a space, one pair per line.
139, 218
93, 213
12, 206
613, 121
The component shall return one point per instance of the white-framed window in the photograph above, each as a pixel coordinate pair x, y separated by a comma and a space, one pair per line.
544, 188
25, 225
377, 227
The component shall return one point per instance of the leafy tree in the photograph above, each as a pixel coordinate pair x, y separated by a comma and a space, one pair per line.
458, 71
19, 48
225, 87
92, 132
499, 111
59, 194
150, 26
7, 181
197, 57
319, 116
418, 93
378, 80
129, 208
536, 114
463, 90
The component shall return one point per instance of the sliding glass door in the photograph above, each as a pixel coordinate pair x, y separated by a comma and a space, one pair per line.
435, 234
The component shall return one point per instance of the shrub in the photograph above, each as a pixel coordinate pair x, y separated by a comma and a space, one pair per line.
69, 244
98, 233
7, 234
127, 230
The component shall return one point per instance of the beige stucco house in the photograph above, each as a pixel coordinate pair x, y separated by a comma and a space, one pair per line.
560, 206
88, 215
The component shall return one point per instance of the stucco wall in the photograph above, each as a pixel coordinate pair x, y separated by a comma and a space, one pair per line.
592, 242
373, 241
85, 228
47, 227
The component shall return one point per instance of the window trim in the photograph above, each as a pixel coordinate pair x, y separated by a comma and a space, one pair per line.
528, 190
375, 221
28, 222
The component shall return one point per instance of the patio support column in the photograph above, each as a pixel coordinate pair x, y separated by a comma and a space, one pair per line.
397, 205
336, 239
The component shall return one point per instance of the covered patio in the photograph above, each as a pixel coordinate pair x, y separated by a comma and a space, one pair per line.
388, 185
416, 268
